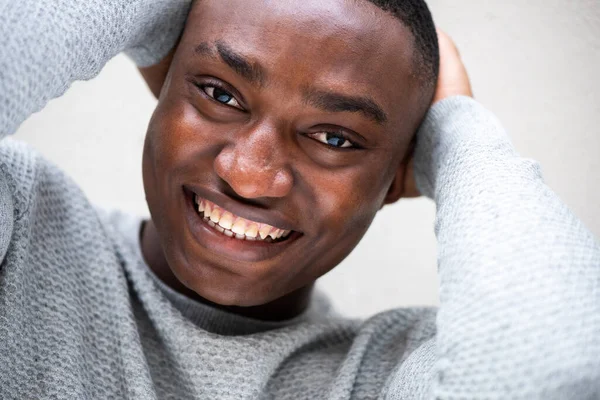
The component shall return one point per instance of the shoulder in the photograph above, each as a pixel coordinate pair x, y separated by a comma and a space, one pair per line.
29, 176
407, 337
19, 169
124, 228
395, 334
394, 350
413, 323
34, 190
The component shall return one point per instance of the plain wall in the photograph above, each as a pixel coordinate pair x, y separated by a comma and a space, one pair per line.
534, 63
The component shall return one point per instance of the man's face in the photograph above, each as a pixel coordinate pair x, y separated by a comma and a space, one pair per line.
292, 120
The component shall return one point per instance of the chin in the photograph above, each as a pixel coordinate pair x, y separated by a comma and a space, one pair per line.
223, 288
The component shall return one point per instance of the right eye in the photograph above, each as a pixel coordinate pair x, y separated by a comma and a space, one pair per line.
332, 139
221, 96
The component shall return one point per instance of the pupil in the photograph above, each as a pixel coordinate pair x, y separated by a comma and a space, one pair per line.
222, 96
334, 140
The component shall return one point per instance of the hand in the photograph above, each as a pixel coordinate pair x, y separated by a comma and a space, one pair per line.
453, 80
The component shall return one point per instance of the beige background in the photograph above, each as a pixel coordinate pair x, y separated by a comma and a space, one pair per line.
534, 63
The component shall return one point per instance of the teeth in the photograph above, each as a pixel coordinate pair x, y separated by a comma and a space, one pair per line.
215, 215
252, 231
240, 228
226, 220
264, 231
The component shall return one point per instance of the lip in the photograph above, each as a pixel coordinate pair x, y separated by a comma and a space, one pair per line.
270, 217
231, 248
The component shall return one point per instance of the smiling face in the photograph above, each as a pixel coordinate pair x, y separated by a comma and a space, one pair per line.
281, 130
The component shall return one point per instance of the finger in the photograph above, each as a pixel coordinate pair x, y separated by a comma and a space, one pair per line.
453, 79
446, 44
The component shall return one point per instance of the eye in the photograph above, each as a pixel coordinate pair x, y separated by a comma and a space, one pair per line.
222, 96
332, 139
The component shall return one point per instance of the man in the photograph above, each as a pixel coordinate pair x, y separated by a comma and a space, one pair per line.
281, 129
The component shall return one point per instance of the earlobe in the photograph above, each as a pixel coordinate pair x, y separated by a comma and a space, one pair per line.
404, 184
410, 183
396, 190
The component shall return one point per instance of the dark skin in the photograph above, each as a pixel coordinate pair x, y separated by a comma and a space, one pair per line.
300, 116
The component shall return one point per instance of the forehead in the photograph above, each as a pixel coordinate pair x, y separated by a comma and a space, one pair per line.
349, 46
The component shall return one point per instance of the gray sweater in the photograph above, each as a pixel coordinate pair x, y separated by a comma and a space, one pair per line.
83, 317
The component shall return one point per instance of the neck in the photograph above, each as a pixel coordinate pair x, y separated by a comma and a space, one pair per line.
283, 308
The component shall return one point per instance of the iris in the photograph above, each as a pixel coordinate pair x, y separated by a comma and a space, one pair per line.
222, 96
335, 140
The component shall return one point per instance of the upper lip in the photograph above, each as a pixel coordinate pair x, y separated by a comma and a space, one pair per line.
270, 217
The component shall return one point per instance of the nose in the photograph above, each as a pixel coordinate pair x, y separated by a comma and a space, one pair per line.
255, 164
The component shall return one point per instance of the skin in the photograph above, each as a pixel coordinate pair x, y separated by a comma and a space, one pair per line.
266, 161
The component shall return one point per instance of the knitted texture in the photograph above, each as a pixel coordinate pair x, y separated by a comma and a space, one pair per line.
47, 45
82, 316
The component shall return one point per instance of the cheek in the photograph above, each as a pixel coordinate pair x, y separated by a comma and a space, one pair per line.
179, 147
168, 151
345, 204
348, 201
170, 132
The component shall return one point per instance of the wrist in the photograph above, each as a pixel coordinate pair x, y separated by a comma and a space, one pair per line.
454, 128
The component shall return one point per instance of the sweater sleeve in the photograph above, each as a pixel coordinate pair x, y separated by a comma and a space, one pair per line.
519, 273
47, 45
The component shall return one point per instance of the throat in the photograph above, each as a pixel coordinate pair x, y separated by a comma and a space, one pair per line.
281, 309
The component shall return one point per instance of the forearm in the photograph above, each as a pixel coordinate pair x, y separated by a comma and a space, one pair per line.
47, 45
520, 274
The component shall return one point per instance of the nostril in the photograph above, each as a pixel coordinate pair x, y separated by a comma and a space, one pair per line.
255, 168
249, 190
252, 180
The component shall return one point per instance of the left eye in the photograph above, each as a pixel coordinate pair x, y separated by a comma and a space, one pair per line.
222, 96
332, 139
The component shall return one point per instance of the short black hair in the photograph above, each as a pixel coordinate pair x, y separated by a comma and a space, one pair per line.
415, 15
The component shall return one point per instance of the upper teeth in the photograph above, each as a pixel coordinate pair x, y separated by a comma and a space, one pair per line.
232, 225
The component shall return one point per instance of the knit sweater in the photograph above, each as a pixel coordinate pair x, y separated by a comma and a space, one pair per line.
83, 317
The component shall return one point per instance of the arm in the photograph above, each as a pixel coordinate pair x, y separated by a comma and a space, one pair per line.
47, 45
520, 274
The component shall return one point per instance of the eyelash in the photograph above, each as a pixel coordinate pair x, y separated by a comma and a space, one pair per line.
203, 86
353, 145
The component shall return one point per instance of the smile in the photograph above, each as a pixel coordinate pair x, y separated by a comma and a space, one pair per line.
235, 226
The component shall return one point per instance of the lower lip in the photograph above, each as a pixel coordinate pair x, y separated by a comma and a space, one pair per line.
231, 248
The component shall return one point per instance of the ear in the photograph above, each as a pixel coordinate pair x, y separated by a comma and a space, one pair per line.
155, 75
404, 184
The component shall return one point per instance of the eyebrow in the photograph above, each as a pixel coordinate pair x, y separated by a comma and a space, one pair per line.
336, 102
251, 71
327, 101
